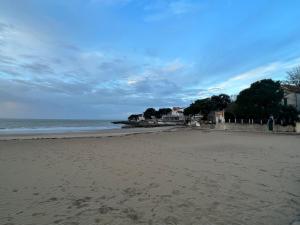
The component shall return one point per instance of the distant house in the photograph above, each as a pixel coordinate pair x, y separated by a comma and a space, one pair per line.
140, 117
176, 115
291, 96
216, 116
194, 120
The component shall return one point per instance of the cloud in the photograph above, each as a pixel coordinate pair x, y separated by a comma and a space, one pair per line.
6, 60
110, 2
181, 7
86, 71
157, 10
46, 76
4, 28
243, 80
54, 78
38, 68
174, 66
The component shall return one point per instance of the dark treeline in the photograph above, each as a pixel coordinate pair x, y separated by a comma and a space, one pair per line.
151, 112
206, 105
259, 101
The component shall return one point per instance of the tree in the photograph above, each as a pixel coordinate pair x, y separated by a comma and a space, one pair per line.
206, 105
199, 106
149, 113
133, 117
288, 114
293, 77
220, 102
163, 111
230, 111
191, 110
261, 100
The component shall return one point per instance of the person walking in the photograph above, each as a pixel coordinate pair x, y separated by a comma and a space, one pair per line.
270, 123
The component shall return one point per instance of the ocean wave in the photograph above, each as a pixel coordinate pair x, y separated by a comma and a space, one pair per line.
27, 130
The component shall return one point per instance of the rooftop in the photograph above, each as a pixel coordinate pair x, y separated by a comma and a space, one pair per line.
291, 88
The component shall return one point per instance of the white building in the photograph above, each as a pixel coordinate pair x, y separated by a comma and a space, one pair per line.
176, 115
291, 96
216, 116
141, 117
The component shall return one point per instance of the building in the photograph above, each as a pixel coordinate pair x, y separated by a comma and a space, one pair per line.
176, 115
220, 116
291, 96
140, 117
216, 116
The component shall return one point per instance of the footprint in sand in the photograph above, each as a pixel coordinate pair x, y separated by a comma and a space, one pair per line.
131, 192
97, 220
296, 222
176, 192
132, 214
81, 202
38, 214
52, 199
71, 223
153, 185
57, 221
105, 209
171, 220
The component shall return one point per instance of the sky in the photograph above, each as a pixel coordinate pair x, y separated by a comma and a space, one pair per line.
107, 59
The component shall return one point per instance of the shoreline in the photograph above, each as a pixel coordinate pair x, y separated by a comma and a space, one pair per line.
86, 134
128, 131
117, 132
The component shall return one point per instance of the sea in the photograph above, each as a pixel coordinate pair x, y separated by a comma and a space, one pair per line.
32, 126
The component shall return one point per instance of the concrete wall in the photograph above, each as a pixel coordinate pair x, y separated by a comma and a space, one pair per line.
245, 127
293, 99
250, 127
297, 127
289, 128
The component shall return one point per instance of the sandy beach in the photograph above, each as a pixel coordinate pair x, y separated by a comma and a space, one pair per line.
180, 177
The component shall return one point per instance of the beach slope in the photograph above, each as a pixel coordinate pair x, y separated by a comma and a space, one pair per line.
181, 177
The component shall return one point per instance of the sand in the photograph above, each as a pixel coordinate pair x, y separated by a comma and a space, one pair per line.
180, 177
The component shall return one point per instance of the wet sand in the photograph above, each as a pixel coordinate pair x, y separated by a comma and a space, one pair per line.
181, 177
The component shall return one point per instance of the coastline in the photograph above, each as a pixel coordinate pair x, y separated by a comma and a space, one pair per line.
86, 134
116, 132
